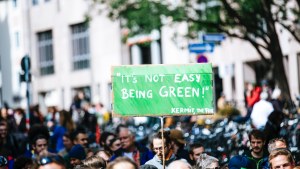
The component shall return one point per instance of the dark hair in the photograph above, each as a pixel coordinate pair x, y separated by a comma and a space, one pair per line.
276, 117
104, 137
122, 160
78, 131
68, 135
65, 119
112, 141
194, 146
257, 134
38, 129
37, 138
22, 162
158, 135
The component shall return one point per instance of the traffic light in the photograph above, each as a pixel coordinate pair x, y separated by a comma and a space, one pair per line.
25, 76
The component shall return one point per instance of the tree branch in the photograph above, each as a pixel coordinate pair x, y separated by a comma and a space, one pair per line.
256, 45
293, 32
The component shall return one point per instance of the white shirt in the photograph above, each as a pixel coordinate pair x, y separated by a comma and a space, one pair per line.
260, 113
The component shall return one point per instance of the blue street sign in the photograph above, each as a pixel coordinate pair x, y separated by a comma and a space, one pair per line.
201, 47
213, 37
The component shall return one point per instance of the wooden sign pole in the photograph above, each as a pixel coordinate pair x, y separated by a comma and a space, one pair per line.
163, 140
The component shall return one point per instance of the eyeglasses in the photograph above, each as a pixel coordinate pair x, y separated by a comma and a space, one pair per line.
3, 161
159, 148
49, 159
213, 168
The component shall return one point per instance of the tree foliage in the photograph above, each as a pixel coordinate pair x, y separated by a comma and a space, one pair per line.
255, 21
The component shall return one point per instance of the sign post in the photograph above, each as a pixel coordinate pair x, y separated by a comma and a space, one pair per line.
162, 138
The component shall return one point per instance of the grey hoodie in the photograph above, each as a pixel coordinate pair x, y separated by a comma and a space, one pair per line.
158, 163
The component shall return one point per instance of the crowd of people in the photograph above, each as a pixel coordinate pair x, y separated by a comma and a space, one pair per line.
78, 139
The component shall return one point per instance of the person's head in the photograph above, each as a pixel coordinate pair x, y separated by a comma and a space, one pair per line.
51, 162
239, 161
3, 129
65, 120
177, 139
195, 151
40, 144
205, 161
115, 144
79, 136
157, 144
257, 141
122, 163
281, 158
95, 162
76, 155
127, 138
67, 141
104, 154
105, 138
276, 143
23, 162
180, 164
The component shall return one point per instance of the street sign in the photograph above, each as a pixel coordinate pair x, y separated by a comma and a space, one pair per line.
213, 37
201, 59
201, 47
162, 90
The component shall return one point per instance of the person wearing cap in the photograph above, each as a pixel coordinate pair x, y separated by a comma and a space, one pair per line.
76, 155
178, 143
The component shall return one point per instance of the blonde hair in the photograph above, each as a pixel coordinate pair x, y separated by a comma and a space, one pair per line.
281, 151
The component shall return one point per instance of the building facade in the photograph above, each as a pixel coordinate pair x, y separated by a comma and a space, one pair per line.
71, 52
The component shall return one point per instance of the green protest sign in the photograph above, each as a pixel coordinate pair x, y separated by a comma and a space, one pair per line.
162, 90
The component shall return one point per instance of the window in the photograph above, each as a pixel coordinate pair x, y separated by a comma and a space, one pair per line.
45, 51
15, 3
80, 46
35, 2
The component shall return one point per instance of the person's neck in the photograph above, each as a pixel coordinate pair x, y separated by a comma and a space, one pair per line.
257, 155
